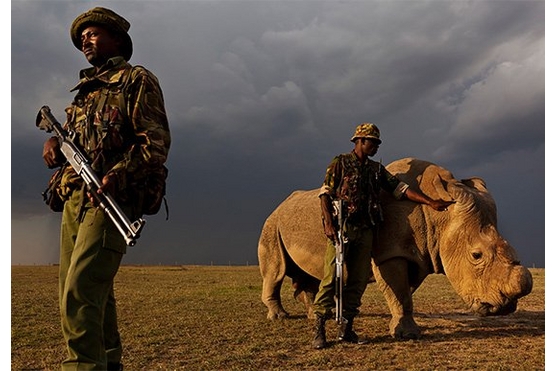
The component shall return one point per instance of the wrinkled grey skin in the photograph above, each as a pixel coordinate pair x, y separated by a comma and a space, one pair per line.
414, 241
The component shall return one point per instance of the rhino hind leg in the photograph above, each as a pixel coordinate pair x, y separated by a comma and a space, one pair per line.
392, 278
271, 298
273, 277
272, 264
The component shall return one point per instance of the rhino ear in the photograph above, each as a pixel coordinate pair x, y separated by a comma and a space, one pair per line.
441, 188
473, 191
435, 182
476, 182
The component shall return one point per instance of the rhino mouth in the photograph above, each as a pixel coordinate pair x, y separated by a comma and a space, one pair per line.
488, 309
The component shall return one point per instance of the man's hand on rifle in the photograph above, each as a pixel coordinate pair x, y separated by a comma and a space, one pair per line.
109, 184
331, 233
51, 153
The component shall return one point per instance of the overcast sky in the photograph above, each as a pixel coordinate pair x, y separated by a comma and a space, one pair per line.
261, 95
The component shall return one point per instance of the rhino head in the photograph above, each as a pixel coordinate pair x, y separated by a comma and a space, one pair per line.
481, 265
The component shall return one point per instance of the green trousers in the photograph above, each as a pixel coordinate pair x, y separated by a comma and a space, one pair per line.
357, 259
91, 249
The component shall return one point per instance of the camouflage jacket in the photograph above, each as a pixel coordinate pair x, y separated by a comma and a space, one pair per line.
120, 122
358, 183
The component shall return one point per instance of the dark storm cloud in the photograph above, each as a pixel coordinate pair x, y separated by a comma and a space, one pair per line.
261, 96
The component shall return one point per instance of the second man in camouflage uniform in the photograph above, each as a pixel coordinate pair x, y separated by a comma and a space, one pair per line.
356, 180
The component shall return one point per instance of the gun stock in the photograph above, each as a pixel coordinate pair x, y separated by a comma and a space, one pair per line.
130, 231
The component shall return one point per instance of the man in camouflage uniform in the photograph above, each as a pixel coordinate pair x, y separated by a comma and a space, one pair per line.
120, 120
356, 180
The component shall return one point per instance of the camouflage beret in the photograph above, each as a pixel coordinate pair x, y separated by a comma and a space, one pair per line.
367, 130
104, 18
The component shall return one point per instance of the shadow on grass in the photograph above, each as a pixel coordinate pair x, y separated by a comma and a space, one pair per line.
454, 326
521, 324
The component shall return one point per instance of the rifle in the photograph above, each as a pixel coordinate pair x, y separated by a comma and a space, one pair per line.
130, 231
375, 209
339, 279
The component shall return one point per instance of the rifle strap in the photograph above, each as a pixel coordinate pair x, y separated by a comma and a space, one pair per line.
166, 207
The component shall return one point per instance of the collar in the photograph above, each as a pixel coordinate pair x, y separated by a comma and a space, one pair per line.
354, 157
110, 72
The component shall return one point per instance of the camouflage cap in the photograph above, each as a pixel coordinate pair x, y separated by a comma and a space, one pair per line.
105, 18
367, 130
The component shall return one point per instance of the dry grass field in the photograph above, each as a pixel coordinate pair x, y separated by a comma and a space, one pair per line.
211, 318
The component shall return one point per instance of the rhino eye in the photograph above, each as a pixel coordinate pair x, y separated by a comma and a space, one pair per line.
477, 255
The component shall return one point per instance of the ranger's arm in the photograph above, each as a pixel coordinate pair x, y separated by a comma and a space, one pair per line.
327, 194
152, 140
327, 218
419, 197
402, 190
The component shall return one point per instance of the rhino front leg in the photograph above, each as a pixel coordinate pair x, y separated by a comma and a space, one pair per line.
392, 279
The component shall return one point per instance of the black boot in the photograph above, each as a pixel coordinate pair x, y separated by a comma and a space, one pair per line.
115, 367
319, 341
346, 333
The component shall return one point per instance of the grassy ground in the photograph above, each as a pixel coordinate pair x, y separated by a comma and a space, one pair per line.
211, 318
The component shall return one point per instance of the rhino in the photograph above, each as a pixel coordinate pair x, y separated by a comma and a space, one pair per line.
414, 241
